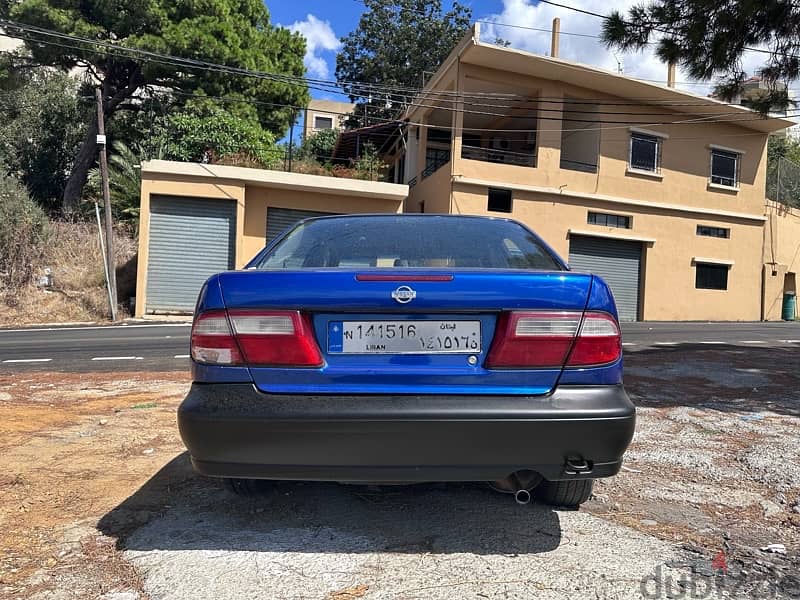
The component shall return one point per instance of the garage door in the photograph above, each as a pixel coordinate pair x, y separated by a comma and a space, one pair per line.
281, 219
617, 262
190, 240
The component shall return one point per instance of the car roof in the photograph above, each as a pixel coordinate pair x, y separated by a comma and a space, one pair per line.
409, 216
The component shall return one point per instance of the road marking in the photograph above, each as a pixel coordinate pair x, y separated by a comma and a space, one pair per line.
711, 343
791, 341
666, 343
181, 356
117, 358
628, 344
27, 360
752, 342
108, 327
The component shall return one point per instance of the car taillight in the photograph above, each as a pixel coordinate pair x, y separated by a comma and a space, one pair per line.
276, 338
527, 340
212, 340
599, 341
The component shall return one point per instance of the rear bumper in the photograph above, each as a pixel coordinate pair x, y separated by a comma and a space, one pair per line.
233, 430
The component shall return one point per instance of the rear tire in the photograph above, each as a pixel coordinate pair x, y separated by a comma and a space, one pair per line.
247, 487
567, 494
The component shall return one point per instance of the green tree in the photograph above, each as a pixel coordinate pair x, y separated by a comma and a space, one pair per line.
236, 33
783, 170
42, 128
708, 39
212, 134
319, 145
395, 44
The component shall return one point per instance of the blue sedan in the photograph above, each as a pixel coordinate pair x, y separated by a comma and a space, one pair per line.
408, 348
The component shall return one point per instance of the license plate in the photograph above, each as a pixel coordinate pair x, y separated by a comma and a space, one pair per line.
404, 337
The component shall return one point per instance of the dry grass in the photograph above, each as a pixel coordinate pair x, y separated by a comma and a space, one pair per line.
79, 294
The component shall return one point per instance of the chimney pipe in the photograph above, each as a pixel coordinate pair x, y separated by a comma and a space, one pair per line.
671, 75
554, 39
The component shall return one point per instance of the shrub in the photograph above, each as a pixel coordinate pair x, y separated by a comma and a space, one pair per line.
319, 145
23, 233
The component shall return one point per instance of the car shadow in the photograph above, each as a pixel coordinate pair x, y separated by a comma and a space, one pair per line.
724, 377
179, 510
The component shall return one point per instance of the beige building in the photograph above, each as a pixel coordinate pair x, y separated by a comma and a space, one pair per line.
781, 259
658, 190
198, 219
325, 114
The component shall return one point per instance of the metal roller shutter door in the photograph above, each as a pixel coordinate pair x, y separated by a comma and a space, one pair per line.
190, 240
618, 262
281, 219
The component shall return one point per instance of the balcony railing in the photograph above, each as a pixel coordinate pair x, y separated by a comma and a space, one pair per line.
434, 165
522, 159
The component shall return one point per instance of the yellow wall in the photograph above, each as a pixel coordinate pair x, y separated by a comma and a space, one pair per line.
258, 199
781, 257
668, 276
433, 191
685, 153
252, 201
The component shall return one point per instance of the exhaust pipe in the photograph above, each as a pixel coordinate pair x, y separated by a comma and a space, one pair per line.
522, 496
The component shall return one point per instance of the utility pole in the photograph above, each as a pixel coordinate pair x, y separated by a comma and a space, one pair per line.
291, 139
111, 279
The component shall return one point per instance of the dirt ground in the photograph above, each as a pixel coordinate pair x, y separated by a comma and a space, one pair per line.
93, 473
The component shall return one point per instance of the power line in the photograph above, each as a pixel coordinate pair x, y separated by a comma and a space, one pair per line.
396, 93
21, 29
664, 31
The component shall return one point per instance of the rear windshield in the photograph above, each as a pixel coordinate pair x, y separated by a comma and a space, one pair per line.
415, 242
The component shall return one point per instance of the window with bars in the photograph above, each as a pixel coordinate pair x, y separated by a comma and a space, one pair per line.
607, 220
717, 232
645, 153
711, 277
725, 167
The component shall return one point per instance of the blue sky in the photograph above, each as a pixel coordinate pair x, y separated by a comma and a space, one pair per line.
323, 23
525, 23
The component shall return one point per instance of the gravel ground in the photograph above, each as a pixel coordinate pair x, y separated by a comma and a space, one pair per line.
317, 540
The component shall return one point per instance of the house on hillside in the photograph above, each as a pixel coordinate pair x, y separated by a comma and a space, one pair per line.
325, 114
658, 190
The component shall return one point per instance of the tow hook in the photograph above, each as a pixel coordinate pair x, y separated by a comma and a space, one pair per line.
578, 466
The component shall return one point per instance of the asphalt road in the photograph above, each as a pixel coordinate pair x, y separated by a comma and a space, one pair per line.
165, 347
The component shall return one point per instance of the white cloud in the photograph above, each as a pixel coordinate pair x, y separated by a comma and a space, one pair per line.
320, 37
587, 50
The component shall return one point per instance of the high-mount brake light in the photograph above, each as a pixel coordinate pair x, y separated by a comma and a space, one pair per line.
551, 339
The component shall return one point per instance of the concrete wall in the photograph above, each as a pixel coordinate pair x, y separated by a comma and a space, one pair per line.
781, 257
259, 199
670, 242
432, 194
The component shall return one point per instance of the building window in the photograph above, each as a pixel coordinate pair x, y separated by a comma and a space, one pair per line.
711, 277
323, 122
606, 220
499, 200
717, 232
725, 167
645, 152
